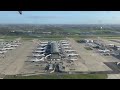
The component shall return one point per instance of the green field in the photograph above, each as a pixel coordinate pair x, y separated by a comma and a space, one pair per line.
8, 37
55, 39
59, 37
51, 37
54, 76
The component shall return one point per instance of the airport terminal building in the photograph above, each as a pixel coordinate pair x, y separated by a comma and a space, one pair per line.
55, 52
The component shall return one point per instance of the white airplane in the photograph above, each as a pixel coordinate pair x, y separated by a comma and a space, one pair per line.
67, 47
69, 50
118, 63
47, 56
73, 59
45, 42
42, 45
106, 54
40, 48
39, 51
72, 54
1, 52
37, 59
38, 55
4, 51
14, 45
111, 45
118, 46
66, 44
9, 48
103, 51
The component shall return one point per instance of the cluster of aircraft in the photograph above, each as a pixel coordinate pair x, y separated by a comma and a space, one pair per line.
8, 46
39, 53
70, 53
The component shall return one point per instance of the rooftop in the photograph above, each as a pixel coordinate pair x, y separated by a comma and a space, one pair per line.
54, 47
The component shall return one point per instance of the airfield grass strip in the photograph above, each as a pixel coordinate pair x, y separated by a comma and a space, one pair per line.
72, 76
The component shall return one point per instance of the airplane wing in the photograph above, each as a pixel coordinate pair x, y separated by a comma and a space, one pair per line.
20, 12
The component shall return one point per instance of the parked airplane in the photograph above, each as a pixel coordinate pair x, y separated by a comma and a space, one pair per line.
118, 63
73, 59
3, 49
38, 55
72, 54
40, 48
47, 56
69, 50
37, 59
39, 51
9, 48
18, 43
112, 45
44, 42
1, 52
67, 47
66, 44
14, 45
42, 45
103, 51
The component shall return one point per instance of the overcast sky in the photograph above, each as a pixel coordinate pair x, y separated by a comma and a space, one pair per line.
60, 17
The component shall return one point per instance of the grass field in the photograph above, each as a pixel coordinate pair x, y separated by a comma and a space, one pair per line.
55, 39
8, 37
95, 37
32, 37
54, 76
58, 37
